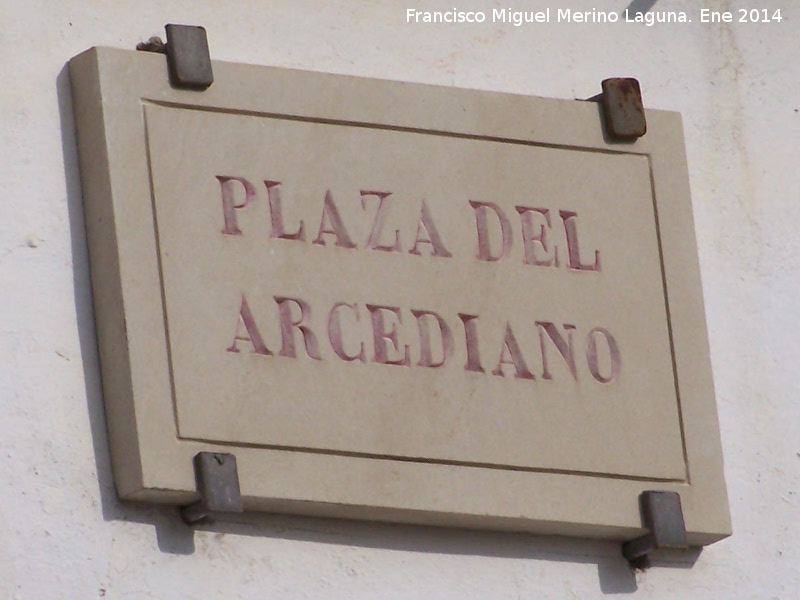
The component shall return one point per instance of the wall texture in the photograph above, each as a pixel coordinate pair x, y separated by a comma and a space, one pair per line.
63, 533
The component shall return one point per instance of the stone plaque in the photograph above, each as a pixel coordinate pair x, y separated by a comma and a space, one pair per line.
395, 301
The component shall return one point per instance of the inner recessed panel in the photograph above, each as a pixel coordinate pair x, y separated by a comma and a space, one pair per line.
351, 289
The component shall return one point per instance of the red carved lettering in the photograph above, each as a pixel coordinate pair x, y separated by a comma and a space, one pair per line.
432, 235
510, 349
564, 348
484, 246
380, 336
250, 333
276, 214
288, 324
613, 354
436, 348
573, 249
331, 214
531, 237
335, 333
471, 342
229, 206
378, 222
426, 353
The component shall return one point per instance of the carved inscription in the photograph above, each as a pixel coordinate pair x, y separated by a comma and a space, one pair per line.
436, 340
436, 335
535, 225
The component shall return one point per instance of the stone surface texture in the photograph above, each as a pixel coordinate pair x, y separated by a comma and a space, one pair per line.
65, 534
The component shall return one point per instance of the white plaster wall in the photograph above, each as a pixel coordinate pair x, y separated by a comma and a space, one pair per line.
63, 534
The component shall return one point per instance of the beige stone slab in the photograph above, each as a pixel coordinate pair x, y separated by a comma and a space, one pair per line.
543, 280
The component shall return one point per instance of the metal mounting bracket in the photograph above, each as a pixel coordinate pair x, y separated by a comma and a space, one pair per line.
622, 108
218, 484
188, 57
663, 517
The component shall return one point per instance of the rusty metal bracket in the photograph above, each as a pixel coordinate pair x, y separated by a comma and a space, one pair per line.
218, 483
623, 108
663, 517
188, 57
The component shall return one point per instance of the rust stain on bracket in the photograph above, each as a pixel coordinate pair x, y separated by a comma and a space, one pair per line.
623, 108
